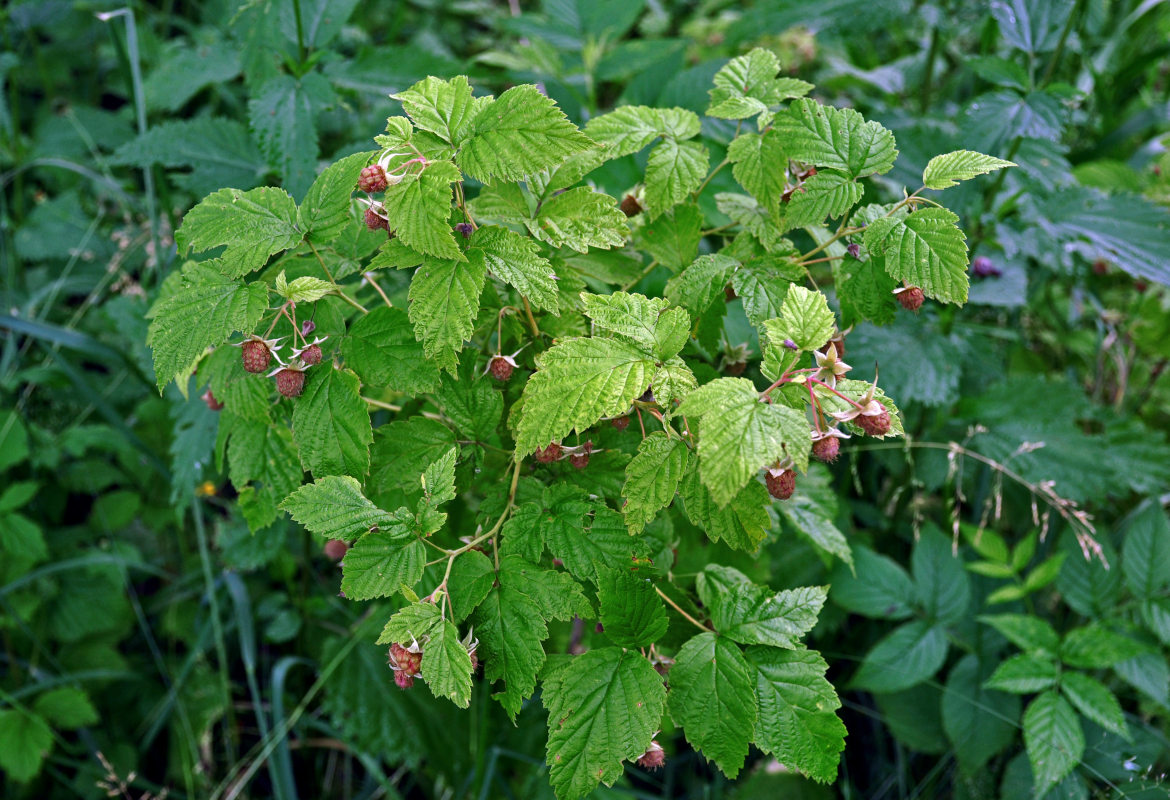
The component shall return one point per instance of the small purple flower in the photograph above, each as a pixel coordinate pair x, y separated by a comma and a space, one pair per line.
854, 250
465, 229
307, 327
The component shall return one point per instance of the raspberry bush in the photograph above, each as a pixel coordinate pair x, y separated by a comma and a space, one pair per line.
484, 501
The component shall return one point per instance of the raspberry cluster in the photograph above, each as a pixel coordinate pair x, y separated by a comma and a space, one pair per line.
405, 661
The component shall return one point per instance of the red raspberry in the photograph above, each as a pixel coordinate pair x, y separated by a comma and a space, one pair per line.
620, 423
290, 382
335, 549
911, 298
312, 355
875, 424
500, 368
212, 403
781, 486
826, 449
373, 179
256, 355
653, 758
403, 679
579, 460
375, 222
549, 454
630, 206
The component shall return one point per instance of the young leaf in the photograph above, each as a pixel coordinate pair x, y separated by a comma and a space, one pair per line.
305, 289
1055, 741
381, 563
253, 225
516, 260
673, 238
926, 249
652, 478
904, 658
580, 219
626, 130
603, 709
517, 135
644, 321
444, 301
331, 424
445, 664
335, 508
835, 138
417, 209
826, 194
472, 576
948, 169
1023, 674
713, 698
804, 318
328, 205
281, 117
751, 614
701, 283
755, 160
797, 723
445, 108
380, 347
438, 480
674, 170
631, 611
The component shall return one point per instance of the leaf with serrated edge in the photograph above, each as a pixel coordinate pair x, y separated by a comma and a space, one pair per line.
331, 424
927, 250
631, 611
580, 219
444, 301
1054, 739
652, 478
417, 209
673, 171
254, 225
947, 170
381, 348
380, 564
334, 507
328, 206
741, 524
835, 138
445, 108
516, 260
751, 614
826, 194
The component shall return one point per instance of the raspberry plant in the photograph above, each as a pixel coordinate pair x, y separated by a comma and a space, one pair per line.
510, 492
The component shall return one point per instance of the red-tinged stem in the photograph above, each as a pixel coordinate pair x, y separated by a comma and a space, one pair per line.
848, 400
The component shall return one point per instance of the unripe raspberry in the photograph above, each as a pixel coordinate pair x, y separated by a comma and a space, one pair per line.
911, 298
290, 382
874, 424
780, 485
620, 423
826, 449
630, 206
312, 355
549, 454
653, 758
735, 368
256, 355
373, 179
335, 549
403, 679
500, 368
375, 222
579, 460
212, 403
474, 661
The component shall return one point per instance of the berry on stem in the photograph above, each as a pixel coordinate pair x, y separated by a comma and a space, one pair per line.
375, 221
212, 403
373, 179
826, 449
335, 549
312, 354
257, 353
874, 422
549, 454
910, 297
653, 758
290, 380
630, 206
501, 367
620, 423
781, 483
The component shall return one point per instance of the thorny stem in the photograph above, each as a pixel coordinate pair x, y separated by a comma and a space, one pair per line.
670, 602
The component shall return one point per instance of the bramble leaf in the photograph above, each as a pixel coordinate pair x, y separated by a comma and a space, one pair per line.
253, 225
328, 206
652, 478
444, 301
826, 194
516, 260
631, 611
740, 524
836, 138
382, 562
926, 249
580, 219
445, 108
331, 424
751, 614
674, 170
948, 169
380, 347
417, 209
335, 508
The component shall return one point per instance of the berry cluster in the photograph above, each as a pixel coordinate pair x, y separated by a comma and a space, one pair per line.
258, 353
405, 660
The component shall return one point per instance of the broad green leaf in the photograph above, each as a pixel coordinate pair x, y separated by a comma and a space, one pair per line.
445, 108
404, 448
762, 289
410, 624
652, 478
444, 301
741, 524
603, 709
743, 86
628, 129
445, 665
826, 194
948, 169
804, 318
418, 207
1023, 674
580, 219
1094, 701
472, 576
328, 205
978, 722
631, 611
380, 347
516, 260
66, 707
673, 238
1096, 647
13, 439
25, 741
904, 658
331, 424
1146, 552
219, 151
305, 289
644, 321
740, 434
751, 614
674, 170
943, 586
253, 225
335, 508
797, 721
1025, 632
577, 382
605, 543
517, 135
835, 138
473, 405
202, 314
713, 698
701, 283
281, 114
438, 480
263, 455
1055, 741
753, 217
927, 250
759, 164
380, 564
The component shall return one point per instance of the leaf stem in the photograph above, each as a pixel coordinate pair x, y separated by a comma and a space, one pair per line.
678, 608
531, 320
713, 173
369, 276
641, 275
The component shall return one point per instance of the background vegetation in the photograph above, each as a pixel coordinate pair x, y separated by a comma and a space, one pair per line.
140, 619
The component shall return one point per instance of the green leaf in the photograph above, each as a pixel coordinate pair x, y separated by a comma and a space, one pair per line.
335, 508
740, 434
444, 301
403, 450
438, 480
948, 169
926, 249
978, 722
580, 219
381, 563
418, 207
380, 347
305, 289
759, 164
644, 321
219, 151
673, 238
943, 586
253, 225
741, 524
751, 614
410, 624
904, 658
445, 664
1023, 674
328, 206
25, 742
1094, 701
631, 611
472, 404
1096, 647
281, 117
517, 135
762, 289
13, 439
628, 129
605, 543
698, 286
713, 698
263, 453
652, 479
472, 576
826, 194
804, 318
748, 85
203, 313
1055, 741
445, 108
66, 707
797, 721
603, 709
835, 138
1146, 552
1025, 632
577, 382
516, 260
16, 495
674, 170
331, 424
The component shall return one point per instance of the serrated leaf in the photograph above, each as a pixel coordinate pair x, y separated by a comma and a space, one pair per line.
877, 587
202, 314
652, 478
380, 563
904, 658
1094, 701
380, 347
835, 138
281, 114
25, 741
220, 152
826, 194
1023, 674
472, 404
438, 480
804, 318
631, 611
305, 289
748, 85
750, 215
740, 434
262, 454
253, 225
445, 665
403, 450
517, 135
626, 130
698, 286
942, 584
713, 698
577, 382
605, 543
742, 524
516, 260
580, 219
445, 108
1055, 741
1094, 646
328, 205
927, 250
335, 508
751, 614
66, 707
444, 301
603, 709
978, 722
418, 207
673, 238
411, 623
1146, 552
472, 576
674, 170
331, 424
762, 289
645, 321
797, 723
948, 169
1025, 632
759, 164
